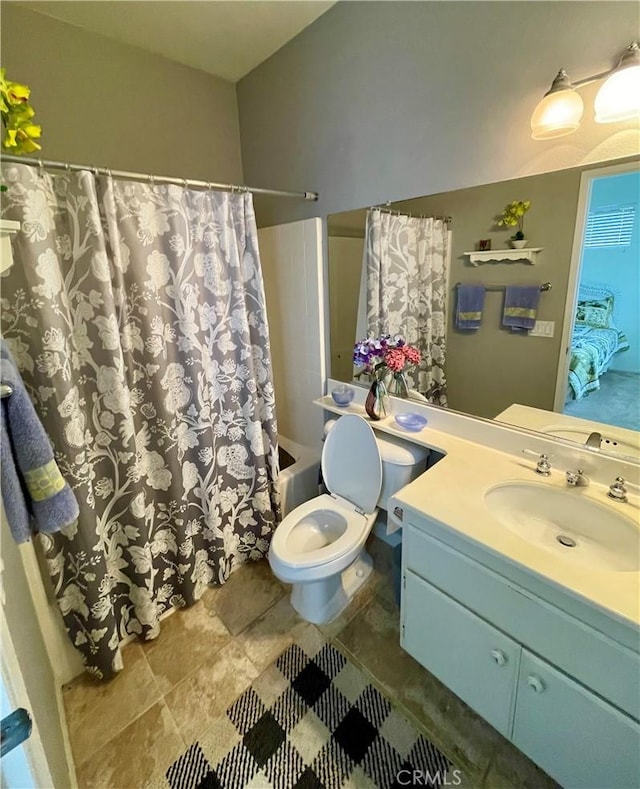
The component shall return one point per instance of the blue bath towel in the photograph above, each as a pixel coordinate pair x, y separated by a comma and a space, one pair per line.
35, 496
521, 307
470, 303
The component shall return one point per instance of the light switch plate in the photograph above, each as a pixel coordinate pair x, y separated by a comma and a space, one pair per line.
543, 329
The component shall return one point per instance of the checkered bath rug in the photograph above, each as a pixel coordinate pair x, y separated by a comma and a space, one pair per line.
310, 721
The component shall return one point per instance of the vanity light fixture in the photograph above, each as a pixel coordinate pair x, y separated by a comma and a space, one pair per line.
560, 111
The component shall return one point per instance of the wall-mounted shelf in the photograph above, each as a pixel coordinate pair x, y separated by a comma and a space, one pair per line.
7, 228
525, 255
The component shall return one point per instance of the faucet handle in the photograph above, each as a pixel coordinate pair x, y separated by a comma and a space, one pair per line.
618, 489
543, 466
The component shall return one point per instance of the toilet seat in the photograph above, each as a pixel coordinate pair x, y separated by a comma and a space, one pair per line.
351, 462
355, 527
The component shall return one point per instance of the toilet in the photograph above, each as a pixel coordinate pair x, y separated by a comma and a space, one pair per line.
319, 546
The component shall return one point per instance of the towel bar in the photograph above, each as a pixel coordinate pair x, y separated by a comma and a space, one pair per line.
544, 287
5, 390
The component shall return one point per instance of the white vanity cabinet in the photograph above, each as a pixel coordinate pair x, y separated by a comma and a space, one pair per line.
564, 693
572, 733
466, 653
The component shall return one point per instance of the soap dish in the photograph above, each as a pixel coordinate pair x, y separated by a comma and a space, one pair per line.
411, 421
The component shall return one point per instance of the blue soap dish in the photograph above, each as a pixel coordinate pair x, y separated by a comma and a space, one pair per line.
410, 421
342, 395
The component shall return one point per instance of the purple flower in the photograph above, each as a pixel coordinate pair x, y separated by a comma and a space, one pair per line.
370, 352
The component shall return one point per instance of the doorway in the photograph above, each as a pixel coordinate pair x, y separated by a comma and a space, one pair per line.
599, 376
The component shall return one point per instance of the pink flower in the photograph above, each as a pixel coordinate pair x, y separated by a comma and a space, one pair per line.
394, 358
412, 355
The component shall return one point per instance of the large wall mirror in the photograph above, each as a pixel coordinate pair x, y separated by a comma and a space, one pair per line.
490, 369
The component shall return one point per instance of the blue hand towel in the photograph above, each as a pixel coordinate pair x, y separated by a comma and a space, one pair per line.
35, 496
520, 307
470, 303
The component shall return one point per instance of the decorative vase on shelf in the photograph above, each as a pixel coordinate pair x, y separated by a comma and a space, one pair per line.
519, 243
376, 403
397, 385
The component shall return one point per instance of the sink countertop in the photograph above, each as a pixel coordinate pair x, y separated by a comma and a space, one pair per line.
452, 492
550, 422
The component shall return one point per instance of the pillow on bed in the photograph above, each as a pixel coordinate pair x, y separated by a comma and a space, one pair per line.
595, 313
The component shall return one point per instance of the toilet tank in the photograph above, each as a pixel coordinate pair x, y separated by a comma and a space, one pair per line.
402, 462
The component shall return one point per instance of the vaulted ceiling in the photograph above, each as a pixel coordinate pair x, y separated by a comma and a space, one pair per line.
227, 38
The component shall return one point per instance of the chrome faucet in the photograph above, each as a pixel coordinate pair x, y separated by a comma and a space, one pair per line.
594, 440
577, 478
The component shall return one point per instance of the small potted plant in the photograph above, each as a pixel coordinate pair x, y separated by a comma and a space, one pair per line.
513, 216
19, 133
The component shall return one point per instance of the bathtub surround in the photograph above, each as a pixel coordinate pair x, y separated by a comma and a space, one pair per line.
292, 266
137, 317
298, 482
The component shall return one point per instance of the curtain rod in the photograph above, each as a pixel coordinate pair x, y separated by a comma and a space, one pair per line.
385, 209
165, 179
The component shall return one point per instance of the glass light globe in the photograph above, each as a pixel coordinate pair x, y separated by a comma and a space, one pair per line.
619, 98
557, 114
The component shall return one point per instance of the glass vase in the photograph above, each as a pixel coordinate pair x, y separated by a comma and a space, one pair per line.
377, 399
397, 385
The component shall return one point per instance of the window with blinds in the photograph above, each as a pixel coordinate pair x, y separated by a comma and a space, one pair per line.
610, 226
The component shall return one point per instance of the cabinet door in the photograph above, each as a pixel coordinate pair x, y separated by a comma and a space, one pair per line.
574, 735
476, 661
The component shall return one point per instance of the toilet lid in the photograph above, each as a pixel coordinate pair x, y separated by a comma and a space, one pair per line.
351, 465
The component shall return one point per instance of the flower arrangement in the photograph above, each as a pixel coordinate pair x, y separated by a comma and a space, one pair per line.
385, 356
19, 133
377, 356
513, 216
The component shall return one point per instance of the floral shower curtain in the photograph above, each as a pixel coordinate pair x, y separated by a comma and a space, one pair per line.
405, 259
136, 314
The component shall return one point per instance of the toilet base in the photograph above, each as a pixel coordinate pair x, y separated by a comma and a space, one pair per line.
322, 601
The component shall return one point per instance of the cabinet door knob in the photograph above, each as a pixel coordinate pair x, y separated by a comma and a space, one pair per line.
499, 657
535, 683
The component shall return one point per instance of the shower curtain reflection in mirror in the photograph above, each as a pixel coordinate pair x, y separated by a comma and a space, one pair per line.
404, 291
136, 313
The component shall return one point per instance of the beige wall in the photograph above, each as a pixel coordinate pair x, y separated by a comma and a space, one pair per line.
113, 105
378, 101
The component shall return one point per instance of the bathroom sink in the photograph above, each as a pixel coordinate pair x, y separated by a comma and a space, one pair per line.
567, 524
610, 441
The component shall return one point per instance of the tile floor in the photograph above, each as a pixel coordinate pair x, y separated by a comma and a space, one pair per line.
125, 733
